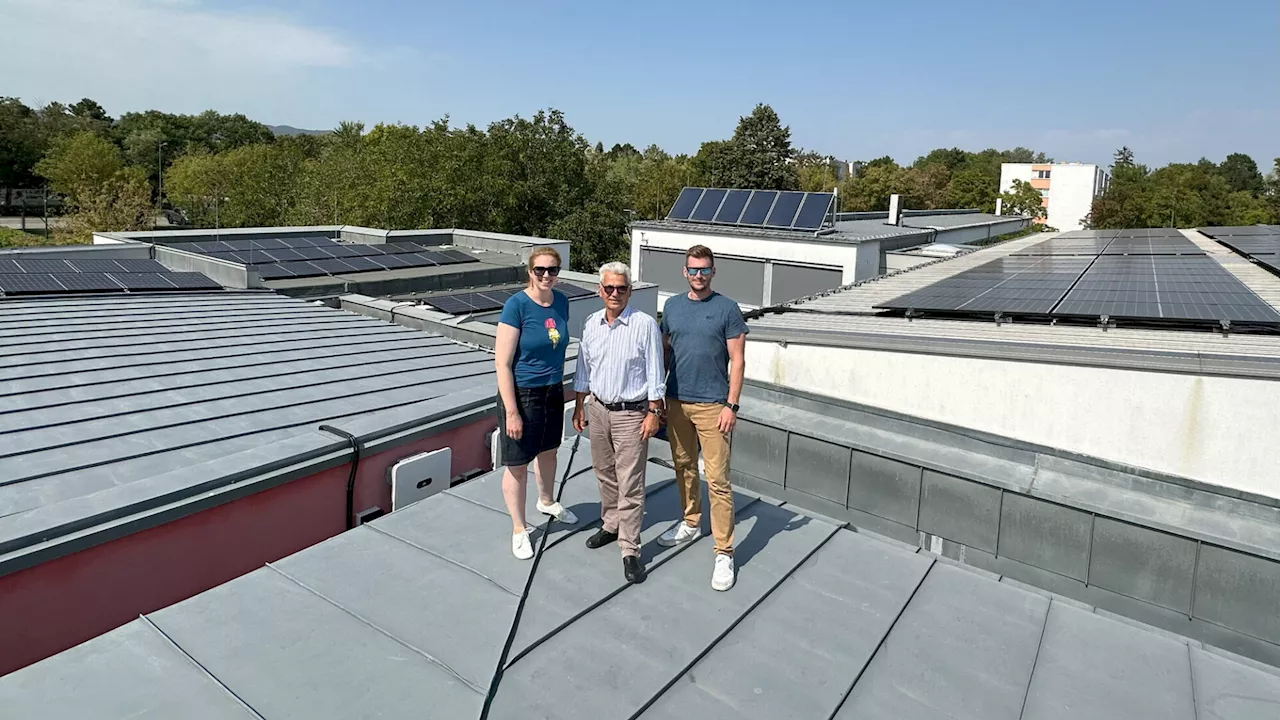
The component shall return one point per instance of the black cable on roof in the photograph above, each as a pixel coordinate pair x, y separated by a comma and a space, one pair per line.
524, 595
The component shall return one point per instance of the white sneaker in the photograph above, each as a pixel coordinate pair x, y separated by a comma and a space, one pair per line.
679, 533
520, 545
558, 511
723, 577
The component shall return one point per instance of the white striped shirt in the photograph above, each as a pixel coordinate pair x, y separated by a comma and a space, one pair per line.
621, 362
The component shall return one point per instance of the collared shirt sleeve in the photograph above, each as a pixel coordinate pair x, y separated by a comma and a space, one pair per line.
582, 368
655, 364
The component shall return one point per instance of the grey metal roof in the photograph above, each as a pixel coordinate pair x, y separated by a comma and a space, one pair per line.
846, 317
847, 232
114, 405
406, 617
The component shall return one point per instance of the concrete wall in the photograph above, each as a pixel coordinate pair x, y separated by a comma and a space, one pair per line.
63, 602
1212, 429
1199, 564
224, 272
844, 257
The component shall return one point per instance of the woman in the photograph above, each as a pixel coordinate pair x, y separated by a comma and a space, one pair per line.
533, 332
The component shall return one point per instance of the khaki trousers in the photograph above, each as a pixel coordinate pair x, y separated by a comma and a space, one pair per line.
688, 425
618, 455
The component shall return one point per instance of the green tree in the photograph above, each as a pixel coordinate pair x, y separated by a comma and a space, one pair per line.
77, 165
758, 156
102, 194
1241, 174
1023, 199
871, 189
1123, 158
974, 188
21, 144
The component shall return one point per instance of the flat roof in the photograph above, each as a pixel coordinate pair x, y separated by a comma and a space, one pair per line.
846, 317
121, 405
407, 616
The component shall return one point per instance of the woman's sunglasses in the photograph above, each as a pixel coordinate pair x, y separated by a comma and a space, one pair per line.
553, 271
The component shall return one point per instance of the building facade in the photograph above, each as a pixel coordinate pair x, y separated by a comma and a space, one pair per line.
1068, 189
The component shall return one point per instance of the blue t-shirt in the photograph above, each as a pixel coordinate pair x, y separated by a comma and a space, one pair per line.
544, 335
699, 329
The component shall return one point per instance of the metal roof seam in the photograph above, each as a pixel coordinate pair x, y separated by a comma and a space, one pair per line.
204, 670
463, 566
377, 628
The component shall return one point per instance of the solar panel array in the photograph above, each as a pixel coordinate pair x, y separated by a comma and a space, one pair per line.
775, 209
1151, 274
275, 258
1259, 243
486, 300
49, 276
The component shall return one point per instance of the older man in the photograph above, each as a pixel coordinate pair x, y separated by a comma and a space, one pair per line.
620, 364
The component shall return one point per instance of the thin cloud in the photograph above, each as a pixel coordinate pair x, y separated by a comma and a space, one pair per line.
176, 55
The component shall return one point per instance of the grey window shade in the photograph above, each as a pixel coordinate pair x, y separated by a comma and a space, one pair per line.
794, 281
741, 280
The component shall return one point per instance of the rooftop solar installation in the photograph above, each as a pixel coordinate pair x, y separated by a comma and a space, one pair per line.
1145, 274
1253, 244
824, 622
56, 276
1240, 230
486, 300
289, 257
780, 210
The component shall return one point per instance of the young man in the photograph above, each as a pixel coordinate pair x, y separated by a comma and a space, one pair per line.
620, 362
705, 338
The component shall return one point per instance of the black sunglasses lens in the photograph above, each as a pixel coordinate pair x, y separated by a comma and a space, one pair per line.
619, 289
554, 270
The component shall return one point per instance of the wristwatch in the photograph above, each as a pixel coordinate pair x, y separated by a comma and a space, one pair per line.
656, 411
733, 407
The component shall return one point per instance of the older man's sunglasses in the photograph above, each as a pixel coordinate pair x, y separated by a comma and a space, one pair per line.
553, 271
615, 289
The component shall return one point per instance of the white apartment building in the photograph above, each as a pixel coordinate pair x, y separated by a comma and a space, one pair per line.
1068, 189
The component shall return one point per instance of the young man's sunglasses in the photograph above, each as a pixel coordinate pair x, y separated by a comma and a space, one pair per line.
554, 270
699, 271
612, 289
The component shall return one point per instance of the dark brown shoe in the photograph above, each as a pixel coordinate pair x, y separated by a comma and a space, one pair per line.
632, 570
601, 538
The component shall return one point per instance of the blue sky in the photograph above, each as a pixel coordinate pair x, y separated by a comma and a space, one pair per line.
1174, 80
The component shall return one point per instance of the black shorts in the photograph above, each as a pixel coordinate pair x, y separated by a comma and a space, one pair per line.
542, 412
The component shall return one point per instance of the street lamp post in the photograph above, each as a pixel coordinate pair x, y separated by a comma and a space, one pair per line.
159, 181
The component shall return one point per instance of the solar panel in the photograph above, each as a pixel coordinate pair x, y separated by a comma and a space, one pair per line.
98, 265
192, 281
272, 271
402, 247
1253, 244
1015, 285
29, 283
362, 264
758, 207
784, 209
708, 205
451, 305
684, 204
1240, 230
392, 262
87, 282
143, 281
44, 265
142, 266
417, 259
573, 291
301, 269
239, 244
311, 253
731, 209
9, 267
333, 266
1192, 288
813, 211
341, 251
456, 256
270, 244
1152, 245
365, 250
435, 258
285, 255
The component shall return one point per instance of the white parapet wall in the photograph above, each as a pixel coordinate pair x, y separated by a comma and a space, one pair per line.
1218, 430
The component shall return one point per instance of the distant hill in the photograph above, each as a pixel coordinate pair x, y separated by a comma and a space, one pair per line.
291, 130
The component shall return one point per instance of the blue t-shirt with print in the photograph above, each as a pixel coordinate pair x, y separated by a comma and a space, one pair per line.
544, 335
699, 331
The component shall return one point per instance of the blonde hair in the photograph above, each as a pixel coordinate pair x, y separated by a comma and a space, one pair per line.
539, 252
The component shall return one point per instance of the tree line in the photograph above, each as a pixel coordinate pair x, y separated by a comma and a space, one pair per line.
532, 176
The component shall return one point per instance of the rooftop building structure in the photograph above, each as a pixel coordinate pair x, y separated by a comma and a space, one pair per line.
407, 616
763, 260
